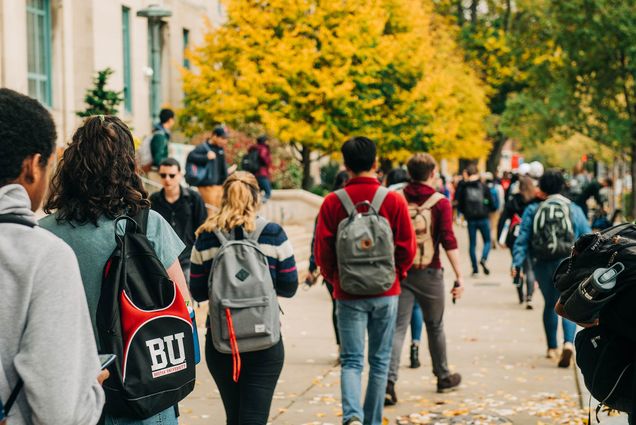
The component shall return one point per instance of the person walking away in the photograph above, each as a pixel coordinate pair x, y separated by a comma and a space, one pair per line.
95, 183
510, 224
424, 284
592, 190
547, 234
181, 207
211, 156
497, 193
264, 164
42, 300
247, 392
312, 276
161, 137
475, 203
366, 293
396, 180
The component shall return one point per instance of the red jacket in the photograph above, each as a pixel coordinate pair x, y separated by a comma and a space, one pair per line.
394, 209
265, 159
442, 215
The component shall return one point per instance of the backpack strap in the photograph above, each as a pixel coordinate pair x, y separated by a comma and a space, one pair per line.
140, 224
12, 398
378, 199
221, 236
16, 219
432, 201
347, 203
261, 224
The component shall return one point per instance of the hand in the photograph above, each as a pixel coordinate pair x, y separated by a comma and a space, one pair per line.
211, 155
103, 375
514, 272
310, 279
458, 290
232, 169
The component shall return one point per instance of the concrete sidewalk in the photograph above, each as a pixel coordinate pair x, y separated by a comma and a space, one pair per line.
495, 343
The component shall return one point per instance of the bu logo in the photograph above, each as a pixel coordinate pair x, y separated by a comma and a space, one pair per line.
165, 359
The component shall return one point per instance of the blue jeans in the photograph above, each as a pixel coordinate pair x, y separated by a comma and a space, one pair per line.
167, 417
483, 226
266, 186
417, 320
543, 271
356, 318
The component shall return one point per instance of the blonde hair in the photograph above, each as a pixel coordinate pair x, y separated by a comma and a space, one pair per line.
240, 202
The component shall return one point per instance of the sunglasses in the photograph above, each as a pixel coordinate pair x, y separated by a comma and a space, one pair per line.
164, 175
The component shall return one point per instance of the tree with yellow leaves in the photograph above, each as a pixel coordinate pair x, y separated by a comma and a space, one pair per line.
313, 72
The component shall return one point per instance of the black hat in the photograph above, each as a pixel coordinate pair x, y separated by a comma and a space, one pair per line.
219, 131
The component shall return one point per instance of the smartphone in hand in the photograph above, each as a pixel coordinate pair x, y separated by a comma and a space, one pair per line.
106, 360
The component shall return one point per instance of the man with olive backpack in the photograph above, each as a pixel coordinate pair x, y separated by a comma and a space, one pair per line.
431, 214
365, 243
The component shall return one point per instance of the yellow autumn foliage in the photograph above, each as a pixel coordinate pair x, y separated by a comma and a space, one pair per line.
314, 72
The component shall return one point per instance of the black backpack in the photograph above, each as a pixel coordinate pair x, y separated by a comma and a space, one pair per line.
142, 318
251, 161
552, 230
606, 353
475, 203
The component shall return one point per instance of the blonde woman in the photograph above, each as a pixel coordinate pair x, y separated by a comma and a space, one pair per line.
247, 401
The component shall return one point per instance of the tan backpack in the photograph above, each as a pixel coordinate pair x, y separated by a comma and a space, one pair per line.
422, 220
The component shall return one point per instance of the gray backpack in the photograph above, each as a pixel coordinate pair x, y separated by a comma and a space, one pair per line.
244, 312
364, 247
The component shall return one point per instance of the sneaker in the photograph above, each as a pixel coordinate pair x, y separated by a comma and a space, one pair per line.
529, 303
390, 398
474, 274
415, 356
566, 355
450, 383
354, 421
483, 266
552, 354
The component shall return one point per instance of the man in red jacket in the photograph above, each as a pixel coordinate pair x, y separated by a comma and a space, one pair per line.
265, 161
359, 315
425, 282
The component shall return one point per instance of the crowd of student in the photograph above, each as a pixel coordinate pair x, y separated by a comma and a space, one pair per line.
365, 235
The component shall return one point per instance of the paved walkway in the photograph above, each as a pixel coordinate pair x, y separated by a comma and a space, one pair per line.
497, 345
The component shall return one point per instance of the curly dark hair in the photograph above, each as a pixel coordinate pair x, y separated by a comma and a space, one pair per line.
26, 128
97, 175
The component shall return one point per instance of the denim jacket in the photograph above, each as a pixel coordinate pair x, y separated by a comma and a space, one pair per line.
521, 250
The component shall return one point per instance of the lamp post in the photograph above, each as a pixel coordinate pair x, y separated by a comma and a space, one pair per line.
154, 13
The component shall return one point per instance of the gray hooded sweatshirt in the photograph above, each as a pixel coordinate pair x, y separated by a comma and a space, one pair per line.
45, 330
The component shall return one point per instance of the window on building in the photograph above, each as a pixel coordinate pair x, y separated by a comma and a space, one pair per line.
186, 44
125, 27
39, 50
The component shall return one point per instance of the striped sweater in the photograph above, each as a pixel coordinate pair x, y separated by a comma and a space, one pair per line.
273, 242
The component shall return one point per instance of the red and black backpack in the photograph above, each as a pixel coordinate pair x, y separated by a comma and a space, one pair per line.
143, 319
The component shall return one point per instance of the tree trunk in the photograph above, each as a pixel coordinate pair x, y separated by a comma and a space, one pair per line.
473, 12
306, 155
495, 154
507, 15
460, 12
633, 171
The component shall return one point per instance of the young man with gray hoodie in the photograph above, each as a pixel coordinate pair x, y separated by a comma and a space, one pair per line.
46, 340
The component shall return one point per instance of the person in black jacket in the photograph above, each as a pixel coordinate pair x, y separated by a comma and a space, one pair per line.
511, 219
475, 202
182, 207
211, 154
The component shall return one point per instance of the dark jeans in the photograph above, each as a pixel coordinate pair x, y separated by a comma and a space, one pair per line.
543, 271
334, 316
425, 287
248, 401
483, 226
265, 185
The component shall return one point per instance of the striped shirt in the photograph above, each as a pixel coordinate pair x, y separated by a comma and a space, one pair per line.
273, 242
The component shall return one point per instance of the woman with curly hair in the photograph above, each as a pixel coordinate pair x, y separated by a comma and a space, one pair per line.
96, 182
247, 401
